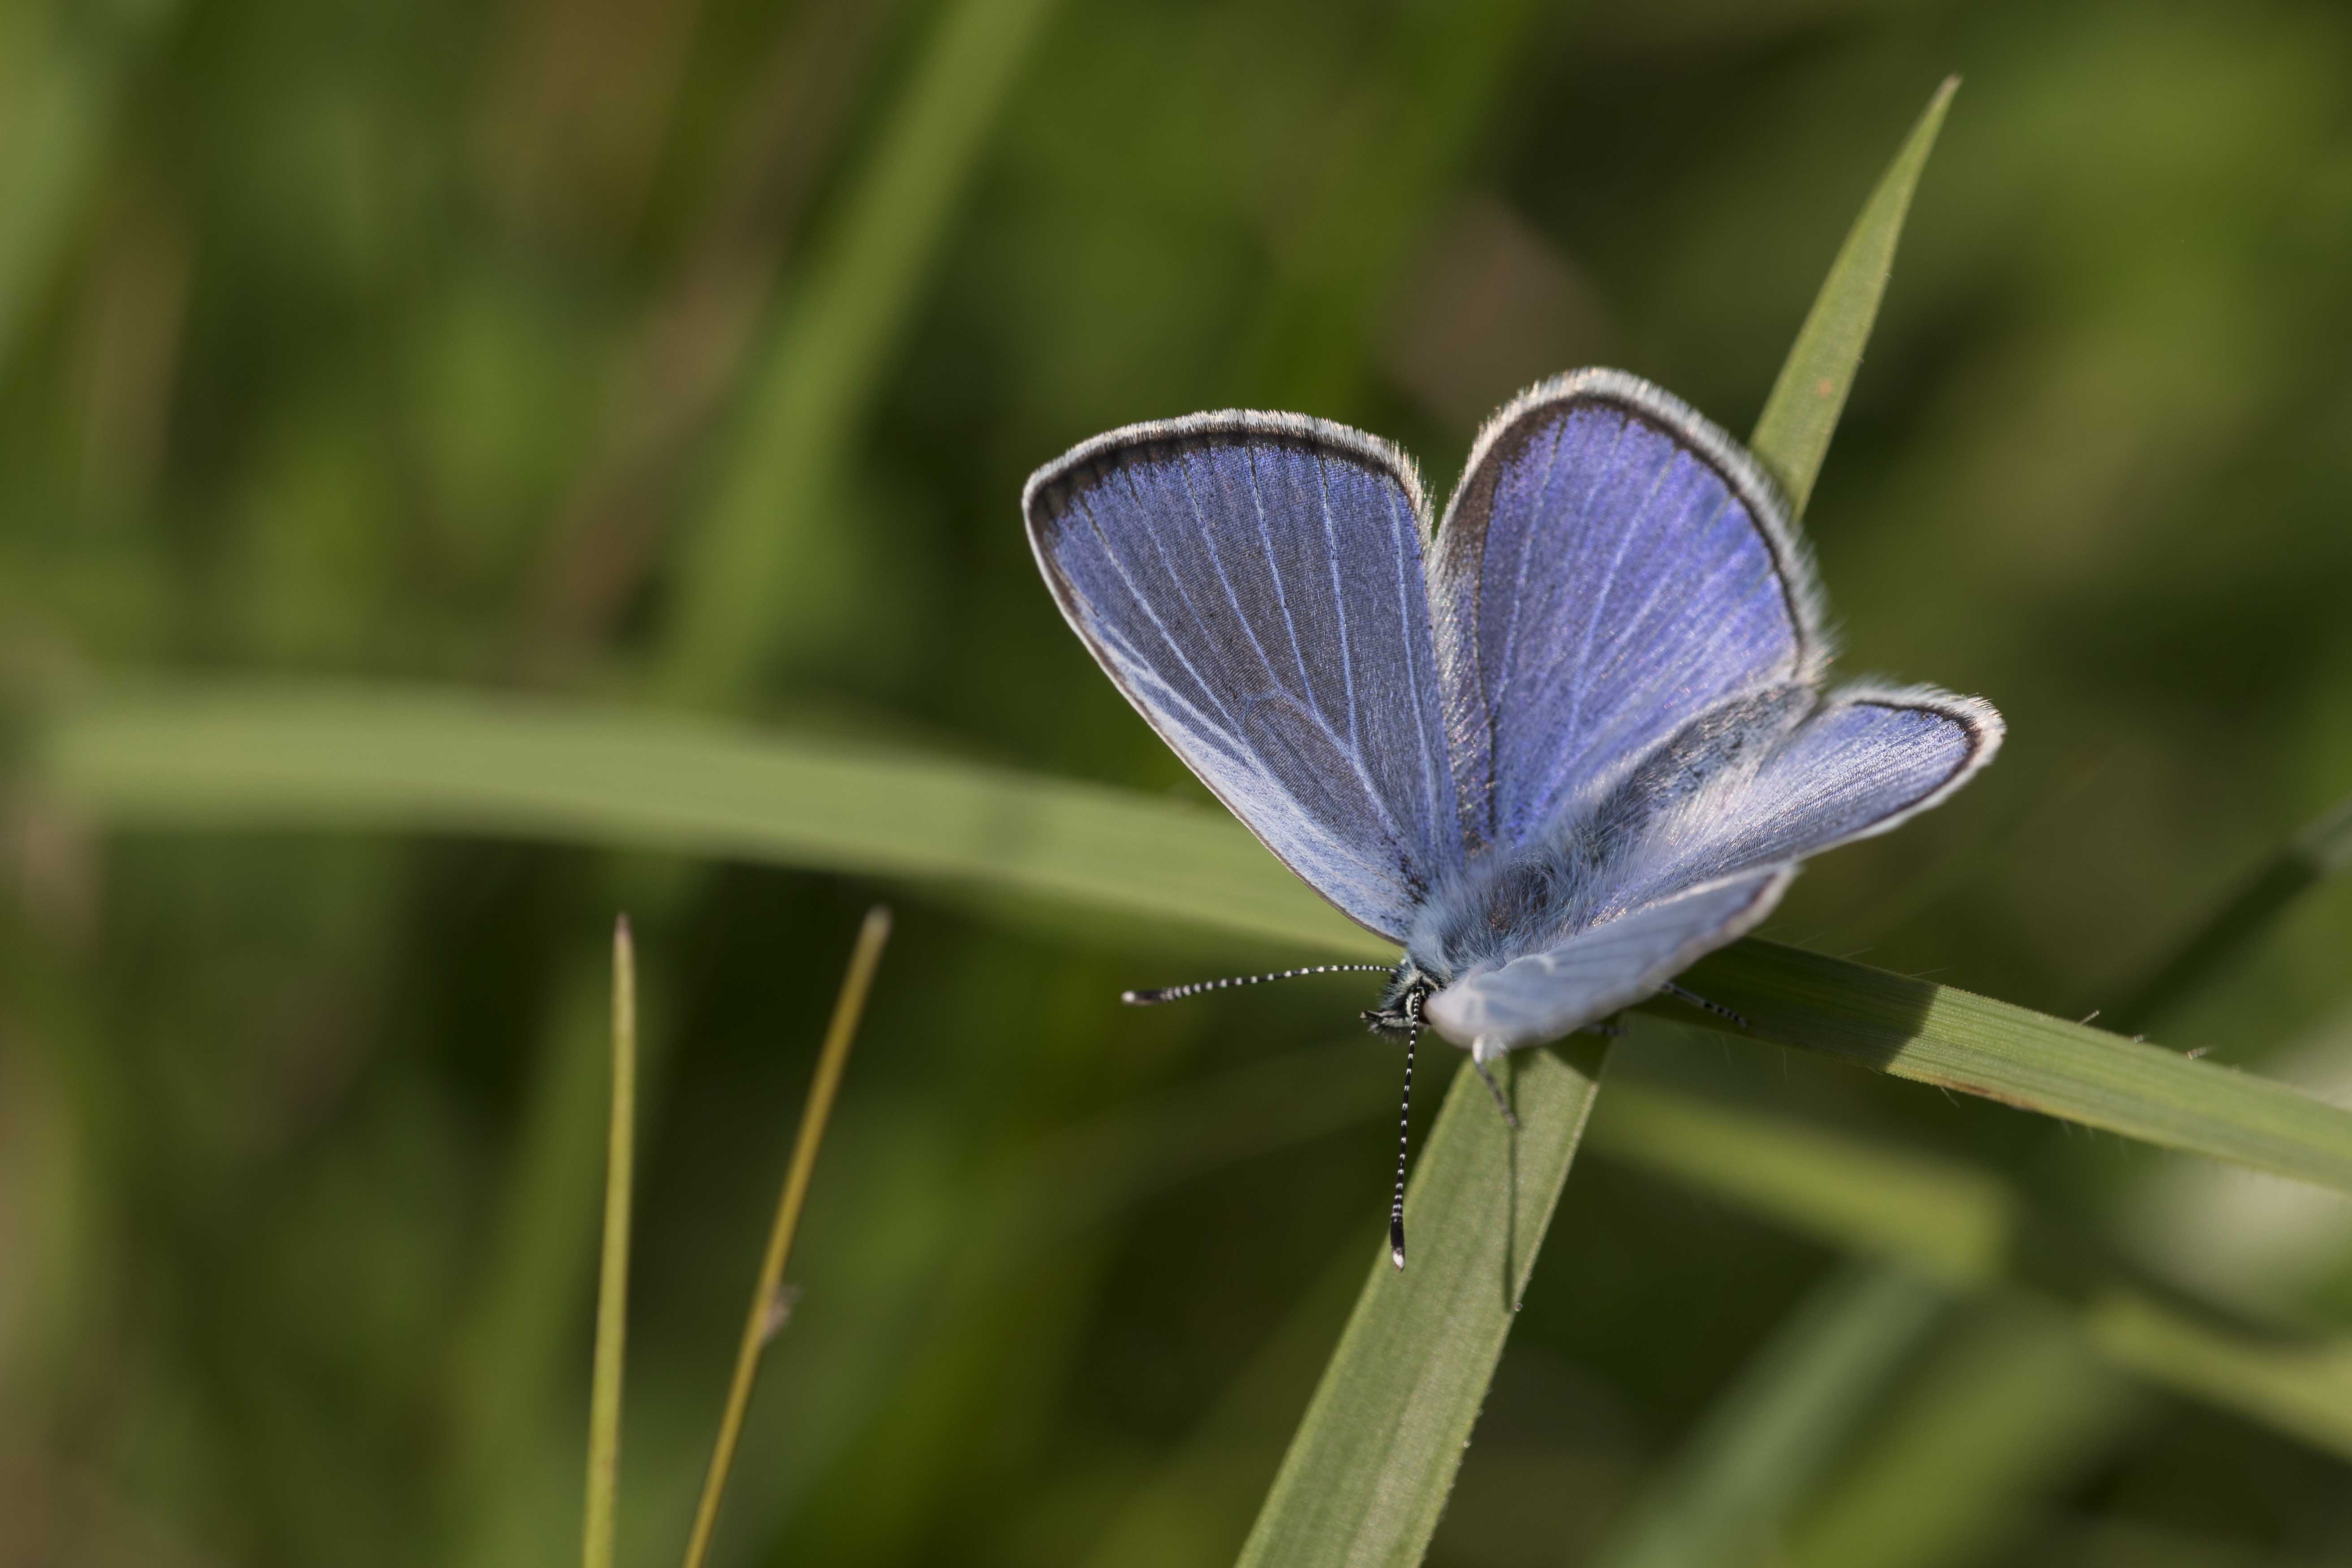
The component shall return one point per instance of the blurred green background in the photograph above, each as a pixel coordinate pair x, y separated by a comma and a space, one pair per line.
689, 355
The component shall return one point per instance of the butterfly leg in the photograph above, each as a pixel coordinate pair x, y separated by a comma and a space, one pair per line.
1613, 1028
1479, 1055
1703, 1005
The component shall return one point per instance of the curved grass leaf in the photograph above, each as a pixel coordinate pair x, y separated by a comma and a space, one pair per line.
412, 760
1792, 434
1366, 1478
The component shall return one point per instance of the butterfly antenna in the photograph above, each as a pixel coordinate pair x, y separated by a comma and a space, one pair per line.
1178, 993
1404, 1130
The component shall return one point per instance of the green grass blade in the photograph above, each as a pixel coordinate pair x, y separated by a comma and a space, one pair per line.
467, 762
417, 760
1764, 1445
1792, 434
512, 1350
612, 1280
1954, 1039
1367, 1476
2321, 850
1199, 1504
767, 559
764, 1318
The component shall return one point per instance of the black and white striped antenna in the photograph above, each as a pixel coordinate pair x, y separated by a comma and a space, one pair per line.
1178, 993
1404, 1130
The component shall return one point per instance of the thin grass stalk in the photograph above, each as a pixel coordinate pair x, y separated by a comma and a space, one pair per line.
613, 1283
761, 1323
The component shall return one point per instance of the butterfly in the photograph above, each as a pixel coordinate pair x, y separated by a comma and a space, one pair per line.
1556, 749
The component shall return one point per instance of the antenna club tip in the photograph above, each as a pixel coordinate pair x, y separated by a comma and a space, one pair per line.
1134, 998
1396, 1256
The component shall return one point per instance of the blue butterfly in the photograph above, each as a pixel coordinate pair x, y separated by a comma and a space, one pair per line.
1556, 751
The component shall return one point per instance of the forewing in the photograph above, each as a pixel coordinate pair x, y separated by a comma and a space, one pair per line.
1254, 582
1607, 966
1866, 759
1612, 566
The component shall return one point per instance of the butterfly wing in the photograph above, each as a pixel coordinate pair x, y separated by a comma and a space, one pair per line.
1865, 759
1254, 583
1612, 566
1607, 966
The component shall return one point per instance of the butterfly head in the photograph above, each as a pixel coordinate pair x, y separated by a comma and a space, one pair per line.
1404, 1004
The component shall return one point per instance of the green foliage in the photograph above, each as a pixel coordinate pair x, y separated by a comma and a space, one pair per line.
401, 407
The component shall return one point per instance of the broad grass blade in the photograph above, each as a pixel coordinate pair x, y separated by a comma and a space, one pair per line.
1367, 1476
412, 760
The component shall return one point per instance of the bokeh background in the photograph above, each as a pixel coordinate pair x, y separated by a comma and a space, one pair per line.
688, 354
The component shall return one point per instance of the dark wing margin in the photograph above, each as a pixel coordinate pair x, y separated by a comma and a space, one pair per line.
1611, 566
1254, 583
1868, 759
